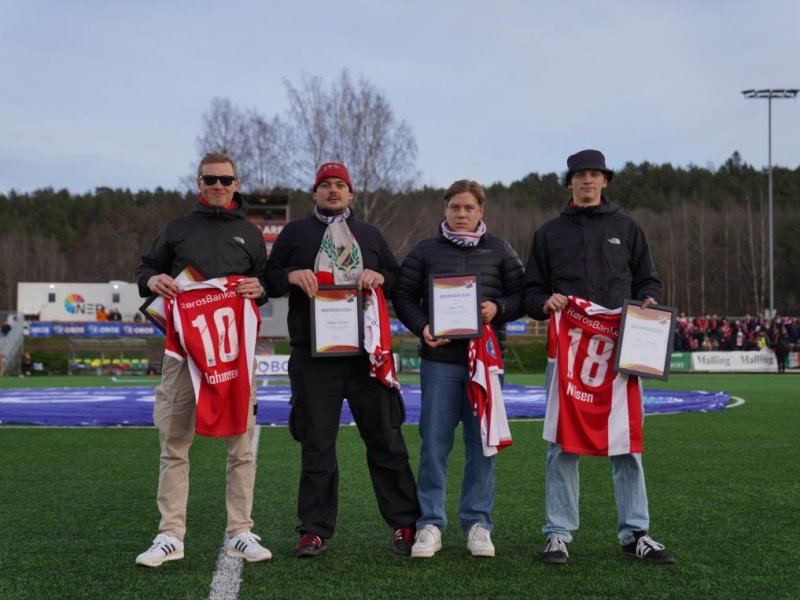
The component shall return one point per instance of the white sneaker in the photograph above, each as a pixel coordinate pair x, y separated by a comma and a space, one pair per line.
245, 545
427, 542
165, 547
479, 541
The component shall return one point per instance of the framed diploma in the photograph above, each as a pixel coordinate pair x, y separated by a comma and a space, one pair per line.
644, 347
337, 321
455, 306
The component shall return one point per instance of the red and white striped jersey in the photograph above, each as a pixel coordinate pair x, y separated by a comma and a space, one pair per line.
215, 329
591, 409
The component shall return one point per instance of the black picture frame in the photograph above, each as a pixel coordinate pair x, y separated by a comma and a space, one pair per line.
659, 312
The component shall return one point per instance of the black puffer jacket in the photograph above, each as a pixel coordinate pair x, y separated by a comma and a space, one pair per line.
596, 252
217, 241
501, 274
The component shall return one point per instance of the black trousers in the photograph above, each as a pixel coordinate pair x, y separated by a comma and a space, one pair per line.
319, 386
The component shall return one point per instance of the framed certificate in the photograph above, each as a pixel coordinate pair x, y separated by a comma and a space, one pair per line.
454, 303
337, 321
644, 347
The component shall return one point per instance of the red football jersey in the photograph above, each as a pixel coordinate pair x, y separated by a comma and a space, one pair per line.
215, 329
591, 409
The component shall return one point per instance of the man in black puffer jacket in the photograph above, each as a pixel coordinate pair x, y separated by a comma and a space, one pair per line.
462, 246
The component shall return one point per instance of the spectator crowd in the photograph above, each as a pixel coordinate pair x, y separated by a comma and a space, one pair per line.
711, 332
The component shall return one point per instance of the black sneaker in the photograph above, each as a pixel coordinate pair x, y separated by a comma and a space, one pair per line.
555, 551
402, 540
310, 544
646, 548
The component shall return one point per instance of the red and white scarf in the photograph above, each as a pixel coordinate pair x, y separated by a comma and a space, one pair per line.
485, 393
378, 338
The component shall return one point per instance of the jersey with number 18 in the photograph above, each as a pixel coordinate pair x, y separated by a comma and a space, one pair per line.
215, 329
591, 409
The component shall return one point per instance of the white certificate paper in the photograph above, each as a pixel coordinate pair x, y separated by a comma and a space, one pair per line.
455, 306
645, 340
337, 323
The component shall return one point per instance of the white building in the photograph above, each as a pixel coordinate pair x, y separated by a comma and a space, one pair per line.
65, 301
80, 301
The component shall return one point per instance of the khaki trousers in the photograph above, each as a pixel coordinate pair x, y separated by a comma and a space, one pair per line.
174, 416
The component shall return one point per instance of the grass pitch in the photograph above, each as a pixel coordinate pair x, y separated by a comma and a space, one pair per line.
77, 505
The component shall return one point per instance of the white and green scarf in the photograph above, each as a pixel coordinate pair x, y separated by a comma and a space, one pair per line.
339, 253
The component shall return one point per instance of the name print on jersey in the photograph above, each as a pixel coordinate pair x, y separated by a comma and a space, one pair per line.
215, 329
591, 409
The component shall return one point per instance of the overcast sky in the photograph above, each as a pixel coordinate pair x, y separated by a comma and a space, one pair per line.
108, 93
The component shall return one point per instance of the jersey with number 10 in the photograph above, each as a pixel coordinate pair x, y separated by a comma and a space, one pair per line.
215, 328
591, 409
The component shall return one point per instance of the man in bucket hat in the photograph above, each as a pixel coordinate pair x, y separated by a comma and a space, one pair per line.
331, 246
599, 255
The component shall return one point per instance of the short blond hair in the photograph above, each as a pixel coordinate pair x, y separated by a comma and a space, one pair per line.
216, 157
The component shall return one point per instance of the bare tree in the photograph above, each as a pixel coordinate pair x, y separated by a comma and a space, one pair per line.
755, 249
353, 123
28, 257
266, 159
258, 145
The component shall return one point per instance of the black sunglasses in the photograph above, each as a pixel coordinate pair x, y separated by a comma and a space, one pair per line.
225, 180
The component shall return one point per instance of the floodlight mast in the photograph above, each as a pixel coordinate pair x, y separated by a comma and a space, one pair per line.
769, 94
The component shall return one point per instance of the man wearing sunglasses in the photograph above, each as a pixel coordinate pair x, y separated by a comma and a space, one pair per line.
216, 239
331, 246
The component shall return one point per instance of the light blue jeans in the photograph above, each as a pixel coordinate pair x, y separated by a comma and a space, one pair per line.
444, 404
562, 488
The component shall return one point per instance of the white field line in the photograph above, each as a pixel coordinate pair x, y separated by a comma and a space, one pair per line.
228, 574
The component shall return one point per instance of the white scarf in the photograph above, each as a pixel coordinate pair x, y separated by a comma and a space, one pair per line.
339, 253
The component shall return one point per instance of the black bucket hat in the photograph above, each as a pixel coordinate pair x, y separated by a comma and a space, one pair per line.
587, 160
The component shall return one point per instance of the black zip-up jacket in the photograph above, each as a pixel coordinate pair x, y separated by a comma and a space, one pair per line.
501, 278
595, 252
297, 247
217, 241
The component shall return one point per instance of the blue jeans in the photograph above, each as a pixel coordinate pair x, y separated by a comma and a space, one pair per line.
444, 404
562, 487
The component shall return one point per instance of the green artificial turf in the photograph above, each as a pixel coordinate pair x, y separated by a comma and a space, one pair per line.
77, 505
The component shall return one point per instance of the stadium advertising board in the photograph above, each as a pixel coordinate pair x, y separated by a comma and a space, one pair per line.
680, 362
754, 362
278, 364
272, 364
91, 330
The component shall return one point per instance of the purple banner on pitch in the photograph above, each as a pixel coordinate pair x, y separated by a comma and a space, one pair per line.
132, 406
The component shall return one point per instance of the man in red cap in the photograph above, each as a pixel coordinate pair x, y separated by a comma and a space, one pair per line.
331, 246
596, 253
